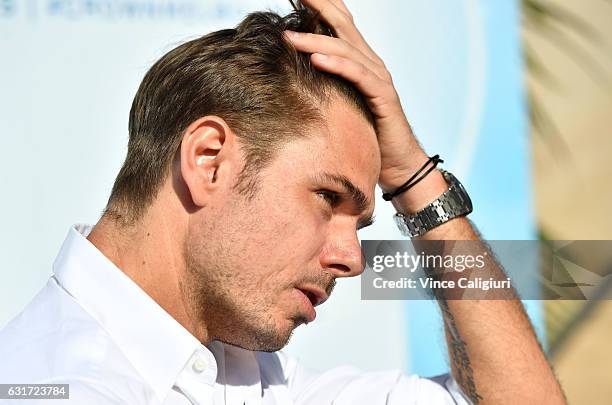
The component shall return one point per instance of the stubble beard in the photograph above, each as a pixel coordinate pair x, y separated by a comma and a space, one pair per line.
221, 300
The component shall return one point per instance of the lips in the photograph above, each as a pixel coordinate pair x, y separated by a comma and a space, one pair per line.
310, 296
307, 305
314, 294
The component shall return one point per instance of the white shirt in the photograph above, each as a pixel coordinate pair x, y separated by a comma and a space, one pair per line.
93, 328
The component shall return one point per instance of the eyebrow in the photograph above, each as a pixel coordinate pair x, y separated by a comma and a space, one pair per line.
357, 196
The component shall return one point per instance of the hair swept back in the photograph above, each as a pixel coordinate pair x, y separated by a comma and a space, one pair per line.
250, 76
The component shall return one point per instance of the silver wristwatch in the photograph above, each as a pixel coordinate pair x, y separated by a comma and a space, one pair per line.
452, 203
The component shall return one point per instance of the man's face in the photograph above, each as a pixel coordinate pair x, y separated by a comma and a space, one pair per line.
258, 267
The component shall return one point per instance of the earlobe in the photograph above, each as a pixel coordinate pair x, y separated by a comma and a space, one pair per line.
201, 149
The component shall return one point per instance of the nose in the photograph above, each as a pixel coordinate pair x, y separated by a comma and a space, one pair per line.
342, 256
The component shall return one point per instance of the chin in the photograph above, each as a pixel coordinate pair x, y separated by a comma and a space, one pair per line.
265, 339
274, 340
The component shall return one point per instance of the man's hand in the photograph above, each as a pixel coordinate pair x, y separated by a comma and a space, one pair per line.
348, 55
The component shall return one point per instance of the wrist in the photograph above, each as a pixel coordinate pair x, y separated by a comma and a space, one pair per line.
423, 193
452, 204
419, 195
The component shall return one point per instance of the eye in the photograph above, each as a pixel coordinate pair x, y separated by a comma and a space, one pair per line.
331, 197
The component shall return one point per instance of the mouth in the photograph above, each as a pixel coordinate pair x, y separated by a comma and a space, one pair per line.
310, 296
315, 295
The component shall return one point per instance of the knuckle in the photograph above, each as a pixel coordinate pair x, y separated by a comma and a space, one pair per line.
338, 60
344, 44
364, 71
344, 20
386, 76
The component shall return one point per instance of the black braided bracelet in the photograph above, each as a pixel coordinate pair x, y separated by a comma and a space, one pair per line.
434, 160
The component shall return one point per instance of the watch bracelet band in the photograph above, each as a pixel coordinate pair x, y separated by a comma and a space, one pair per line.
452, 203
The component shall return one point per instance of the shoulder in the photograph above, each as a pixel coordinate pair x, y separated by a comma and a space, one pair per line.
54, 340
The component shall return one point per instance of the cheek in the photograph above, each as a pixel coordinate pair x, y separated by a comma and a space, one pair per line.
285, 243
276, 237
298, 229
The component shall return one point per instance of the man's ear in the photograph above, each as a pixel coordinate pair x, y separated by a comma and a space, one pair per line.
204, 156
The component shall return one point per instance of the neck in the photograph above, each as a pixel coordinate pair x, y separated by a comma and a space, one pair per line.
150, 253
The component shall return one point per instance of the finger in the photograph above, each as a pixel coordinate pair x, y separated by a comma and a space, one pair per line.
342, 7
332, 15
366, 81
313, 43
342, 24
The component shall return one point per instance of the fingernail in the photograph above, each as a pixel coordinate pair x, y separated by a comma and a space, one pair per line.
320, 56
291, 34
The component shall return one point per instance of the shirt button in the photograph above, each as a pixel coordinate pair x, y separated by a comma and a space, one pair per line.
199, 365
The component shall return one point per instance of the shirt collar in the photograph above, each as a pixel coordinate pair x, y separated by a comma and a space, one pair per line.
152, 340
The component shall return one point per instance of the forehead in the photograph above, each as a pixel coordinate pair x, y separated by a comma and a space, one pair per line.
344, 146
348, 144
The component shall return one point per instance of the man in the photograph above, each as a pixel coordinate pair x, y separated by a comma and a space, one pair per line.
252, 161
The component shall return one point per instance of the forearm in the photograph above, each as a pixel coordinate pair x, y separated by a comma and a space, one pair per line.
495, 356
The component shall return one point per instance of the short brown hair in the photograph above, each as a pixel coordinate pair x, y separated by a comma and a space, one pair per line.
265, 90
